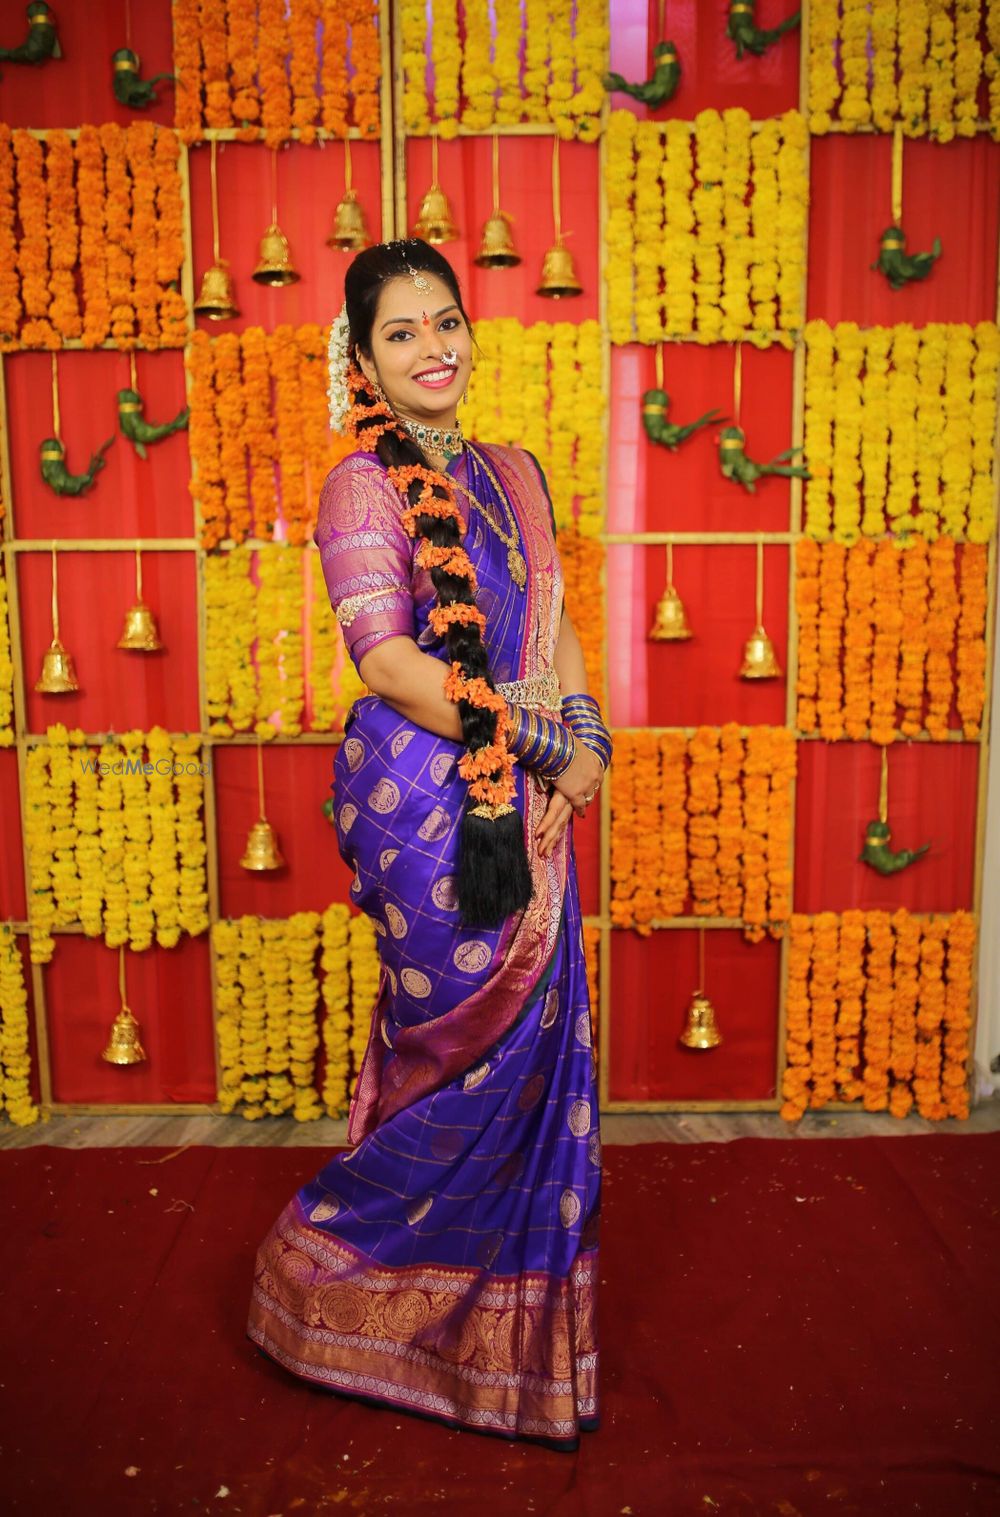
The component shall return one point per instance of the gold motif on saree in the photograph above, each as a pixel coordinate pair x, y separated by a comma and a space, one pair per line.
446, 1144
443, 893
471, 957
510, 1170
386, 857
385, 1033
392, 978
569, 1207
346, 815
582, 1029
406, 1314
435, 825
384, 796
531, 1092
354, 753
416, 983
400, 741
396, 920
579, 1118
441, 767
356, 882
342, 1306
594, 1148
418, 1209
475, 1076
551, 1007
324, 1210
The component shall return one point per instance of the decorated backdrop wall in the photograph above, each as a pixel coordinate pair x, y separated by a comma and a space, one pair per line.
782, 885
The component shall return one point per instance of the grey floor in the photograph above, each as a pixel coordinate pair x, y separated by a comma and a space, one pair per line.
69, 1131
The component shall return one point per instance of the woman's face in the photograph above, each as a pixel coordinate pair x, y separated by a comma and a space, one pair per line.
412, 329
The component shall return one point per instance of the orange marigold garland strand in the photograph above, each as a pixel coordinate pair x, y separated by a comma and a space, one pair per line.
648, 860
823, 1018
730, 828
272, 50
807, 559
258, 430
878, 1012
756, 808
334, 74
850, 993
942, 618
832, 603
971, 652
63, 236
797, 1074
905, 994
10, 289
119, 243
228, 399
187, 67
624, 830
913, 652
212, 28
858, 639
888, 619
90, 191
702, 805
139, 155
779, 836
303, 21
169, 240
241, 52
957, 1012
33, 253
930, 1017
366, 64
673, 882
203, 438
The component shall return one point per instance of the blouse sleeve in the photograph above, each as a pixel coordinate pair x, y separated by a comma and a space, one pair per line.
365, 554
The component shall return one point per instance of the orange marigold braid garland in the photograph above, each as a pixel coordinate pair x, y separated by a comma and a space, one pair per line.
490, 768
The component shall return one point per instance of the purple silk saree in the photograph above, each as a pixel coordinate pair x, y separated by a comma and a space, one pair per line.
447, 1264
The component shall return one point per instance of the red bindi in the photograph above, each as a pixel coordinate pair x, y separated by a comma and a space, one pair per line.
425, 318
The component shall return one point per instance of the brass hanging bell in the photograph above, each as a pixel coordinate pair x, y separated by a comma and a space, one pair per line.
218, 296
140, 632
670, 623
701, 1029
435, 222
497, 250
759, 661
262, 851
350, 231
58, 676
124, 1046
558, 273
275, 266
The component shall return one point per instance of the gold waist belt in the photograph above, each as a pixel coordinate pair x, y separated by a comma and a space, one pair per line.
540, 690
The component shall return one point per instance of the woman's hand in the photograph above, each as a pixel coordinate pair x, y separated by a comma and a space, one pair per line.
554, 823
580, 782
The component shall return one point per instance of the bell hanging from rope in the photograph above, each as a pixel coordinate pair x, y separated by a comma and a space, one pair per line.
140, 634
558, 273
497, 250
218, 295
670, 623
435, 222
350, 231
275, 266
759, 659
58, 676
262, 851
701, 1029
124, 1046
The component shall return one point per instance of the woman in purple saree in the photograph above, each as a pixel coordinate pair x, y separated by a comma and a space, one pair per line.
447, 1263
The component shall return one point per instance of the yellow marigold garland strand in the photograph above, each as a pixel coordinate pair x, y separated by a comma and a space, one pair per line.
336, 989
15, 1048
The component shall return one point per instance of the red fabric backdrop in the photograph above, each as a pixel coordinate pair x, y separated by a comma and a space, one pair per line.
951, 191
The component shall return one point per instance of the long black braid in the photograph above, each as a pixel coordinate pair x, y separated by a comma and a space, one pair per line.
494, 877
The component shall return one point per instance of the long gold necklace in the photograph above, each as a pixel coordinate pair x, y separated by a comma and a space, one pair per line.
515, 558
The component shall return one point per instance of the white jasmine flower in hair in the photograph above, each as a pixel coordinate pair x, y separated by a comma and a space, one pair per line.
337, 391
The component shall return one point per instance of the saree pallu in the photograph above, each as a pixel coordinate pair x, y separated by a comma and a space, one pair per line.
447, 1264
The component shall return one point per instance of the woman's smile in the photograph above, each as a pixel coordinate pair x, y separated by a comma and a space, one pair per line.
436, 379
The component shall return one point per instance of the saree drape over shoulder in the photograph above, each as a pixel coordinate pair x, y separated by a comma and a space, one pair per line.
447, 1263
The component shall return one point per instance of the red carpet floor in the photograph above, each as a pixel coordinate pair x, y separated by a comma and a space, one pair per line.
786, 1328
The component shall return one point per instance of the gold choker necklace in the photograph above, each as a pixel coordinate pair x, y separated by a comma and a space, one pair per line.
434, 439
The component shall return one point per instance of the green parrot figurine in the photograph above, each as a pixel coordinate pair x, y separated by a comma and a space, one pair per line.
129, 89
137, 429
42, 42
56, 474
753, 39
743, 471
899, 267
880, 856
655, 404
663, 85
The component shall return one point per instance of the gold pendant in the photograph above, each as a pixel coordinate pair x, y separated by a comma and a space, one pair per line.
518, 568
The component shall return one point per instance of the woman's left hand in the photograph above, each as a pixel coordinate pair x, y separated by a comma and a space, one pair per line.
553, 823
